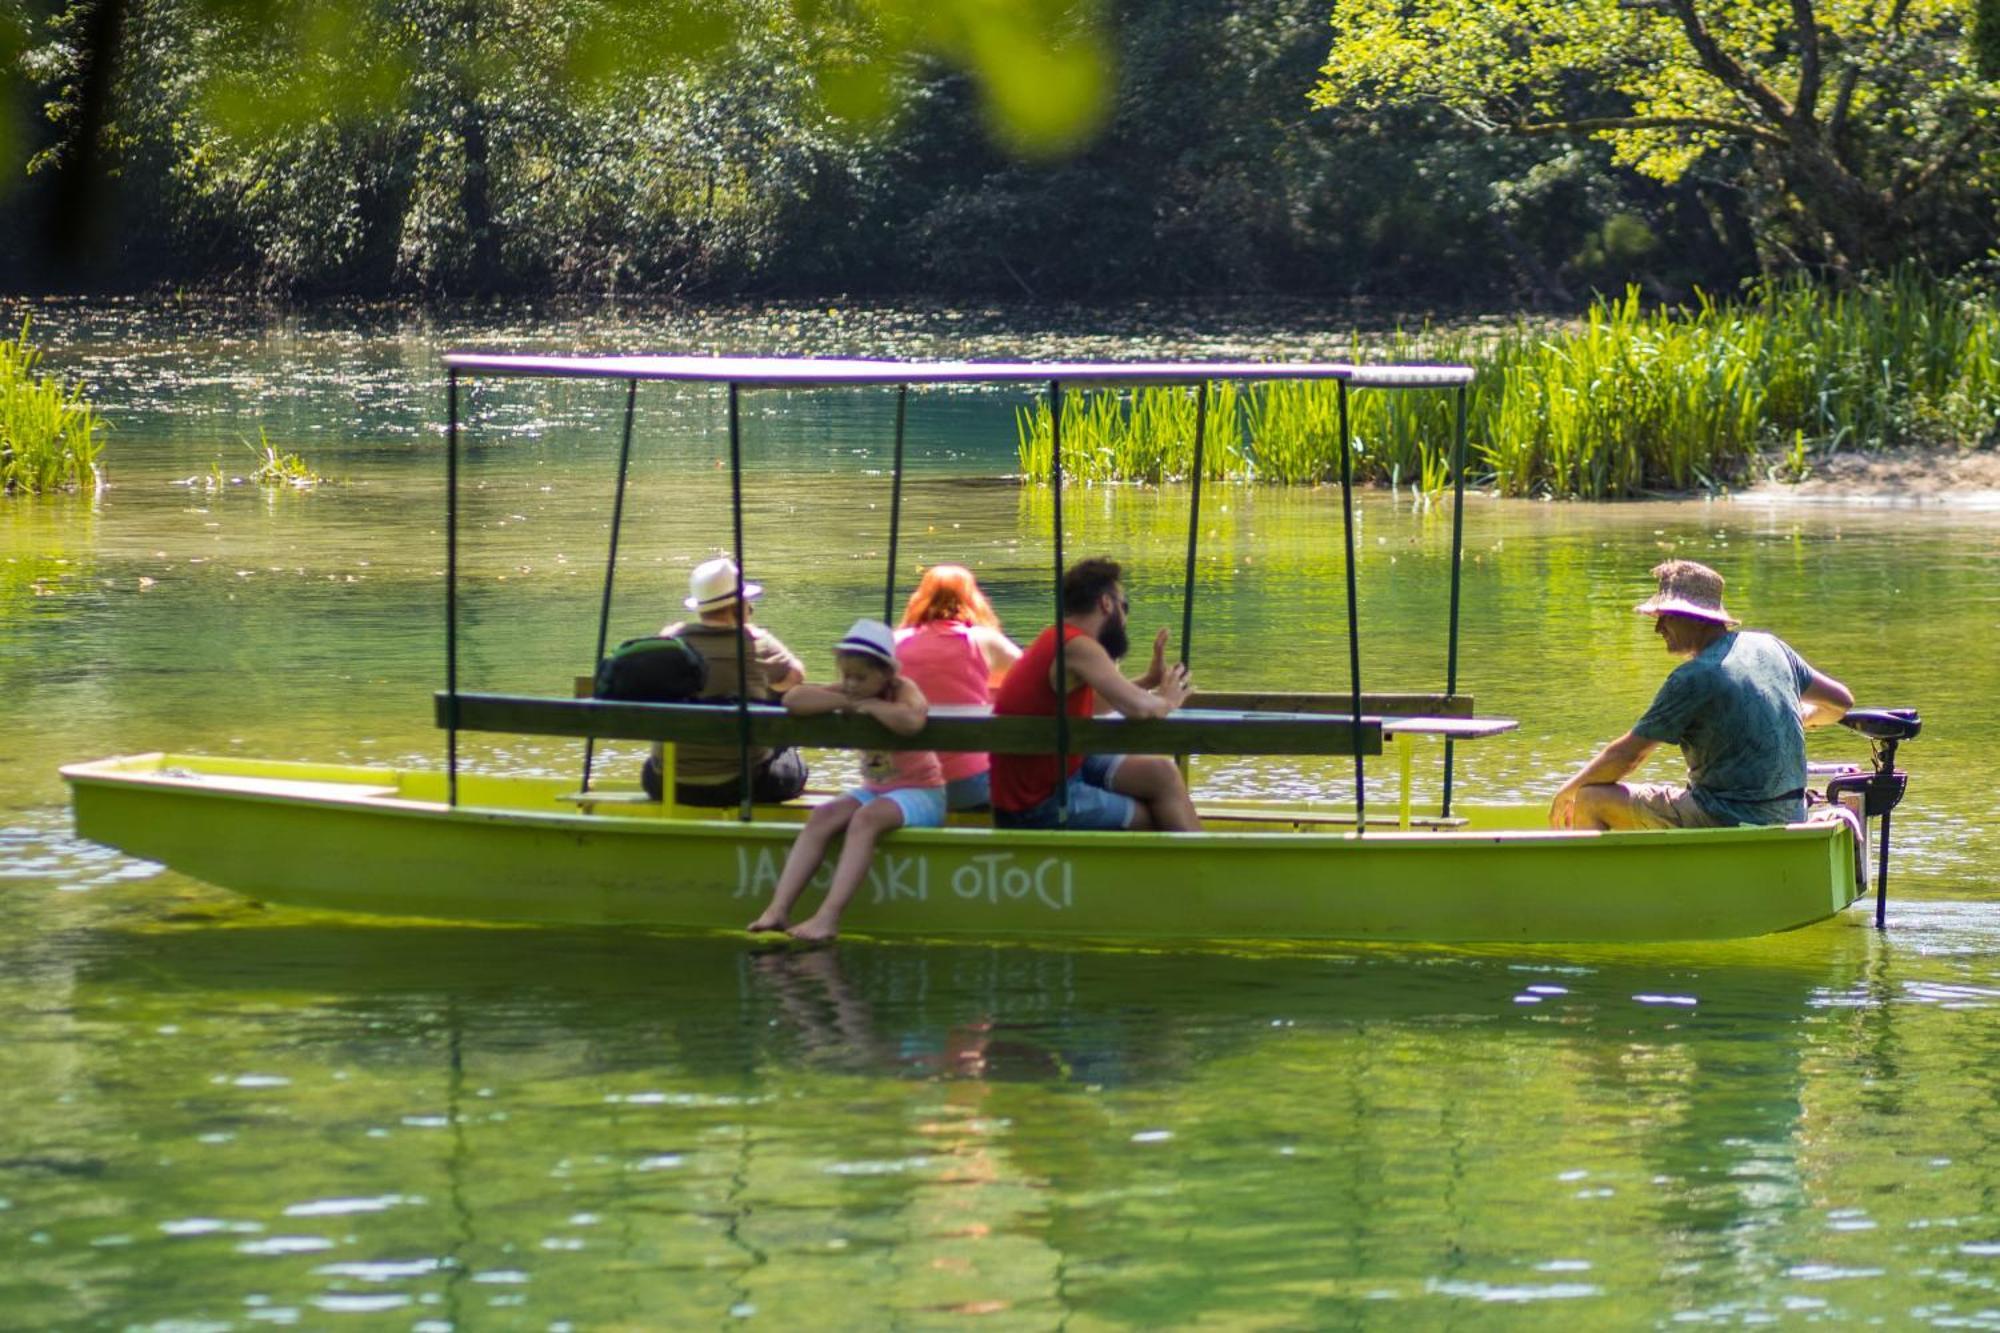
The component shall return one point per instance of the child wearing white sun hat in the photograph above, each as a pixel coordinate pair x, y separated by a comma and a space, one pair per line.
899, 787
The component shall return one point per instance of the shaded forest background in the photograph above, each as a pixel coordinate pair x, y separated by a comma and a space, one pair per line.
489, 167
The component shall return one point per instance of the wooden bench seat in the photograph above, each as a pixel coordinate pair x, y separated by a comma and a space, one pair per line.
1268, 723
1188, 731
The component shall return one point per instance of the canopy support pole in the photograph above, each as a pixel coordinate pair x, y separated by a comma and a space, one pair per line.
895, 506
1457, 561
611, 560
1353, 609
740, 611
1062, 642
1194, 525
1194, 538
451, 586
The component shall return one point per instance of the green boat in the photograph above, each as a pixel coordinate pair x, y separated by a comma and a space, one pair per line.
357, 839
449, 844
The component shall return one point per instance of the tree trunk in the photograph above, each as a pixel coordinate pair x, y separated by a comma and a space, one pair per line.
1986, 39
1857, 222
475, 195
1738, 239
76, 199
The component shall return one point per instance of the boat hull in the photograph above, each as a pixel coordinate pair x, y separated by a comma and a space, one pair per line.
383, 842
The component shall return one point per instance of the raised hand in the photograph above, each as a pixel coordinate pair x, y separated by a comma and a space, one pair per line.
1156, 669
1175, 684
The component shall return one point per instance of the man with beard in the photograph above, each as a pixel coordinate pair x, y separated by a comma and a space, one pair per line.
1105, 791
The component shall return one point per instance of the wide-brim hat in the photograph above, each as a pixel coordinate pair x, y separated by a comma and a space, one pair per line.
712, 586
1687, 589
869, 638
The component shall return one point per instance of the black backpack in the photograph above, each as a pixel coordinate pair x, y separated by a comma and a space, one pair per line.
651, 670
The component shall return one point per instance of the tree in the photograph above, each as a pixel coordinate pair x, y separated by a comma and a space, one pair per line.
1859, 119
280, 73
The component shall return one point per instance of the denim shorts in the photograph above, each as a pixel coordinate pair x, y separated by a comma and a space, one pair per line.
923, 807
1093, 806
969, 793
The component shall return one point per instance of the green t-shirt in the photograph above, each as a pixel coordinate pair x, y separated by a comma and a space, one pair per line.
1733, 709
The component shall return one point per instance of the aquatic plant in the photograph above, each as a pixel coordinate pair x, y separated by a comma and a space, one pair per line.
1633, 398
1136, 435
276, 469
50, 436
273, 469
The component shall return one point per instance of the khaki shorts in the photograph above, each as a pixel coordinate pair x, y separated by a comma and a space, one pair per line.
1667, 805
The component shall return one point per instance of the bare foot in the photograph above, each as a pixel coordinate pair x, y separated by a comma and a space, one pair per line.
769, 921
815, 931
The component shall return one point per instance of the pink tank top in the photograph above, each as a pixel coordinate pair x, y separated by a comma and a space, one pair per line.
941, 657
892, 770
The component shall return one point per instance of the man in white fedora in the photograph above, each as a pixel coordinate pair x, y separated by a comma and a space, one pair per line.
711, 775
1738, 708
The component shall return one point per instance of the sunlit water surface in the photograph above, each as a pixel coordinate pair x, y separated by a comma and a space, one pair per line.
214, 1115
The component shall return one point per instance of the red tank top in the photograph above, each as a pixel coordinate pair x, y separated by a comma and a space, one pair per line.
1024, 781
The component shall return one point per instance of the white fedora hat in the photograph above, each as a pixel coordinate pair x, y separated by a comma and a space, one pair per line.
870, 638
712, 586
1687, 589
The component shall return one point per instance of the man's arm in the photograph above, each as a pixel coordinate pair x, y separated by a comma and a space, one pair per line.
783, 671
1089, 664
1613, 762
1824, 700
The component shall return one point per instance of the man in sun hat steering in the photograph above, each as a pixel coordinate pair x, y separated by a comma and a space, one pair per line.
1738, 708
710, 775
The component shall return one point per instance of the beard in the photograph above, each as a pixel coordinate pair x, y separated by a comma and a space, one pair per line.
1113, 639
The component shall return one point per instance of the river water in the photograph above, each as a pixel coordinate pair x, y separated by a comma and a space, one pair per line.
214, 1115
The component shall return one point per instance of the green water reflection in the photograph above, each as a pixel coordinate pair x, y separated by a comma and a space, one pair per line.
218, 1115
232, 1117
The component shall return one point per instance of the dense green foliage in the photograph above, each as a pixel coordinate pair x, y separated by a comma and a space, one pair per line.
1872, 129
471, 145
449, 147
50, 436
1635, 399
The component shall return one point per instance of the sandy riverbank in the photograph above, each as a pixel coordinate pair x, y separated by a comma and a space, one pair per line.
1969, 479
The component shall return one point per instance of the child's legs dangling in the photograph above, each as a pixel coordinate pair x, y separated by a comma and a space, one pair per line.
808, 850
886, 811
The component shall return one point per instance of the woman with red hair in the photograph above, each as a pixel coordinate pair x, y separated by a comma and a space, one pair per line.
950, 644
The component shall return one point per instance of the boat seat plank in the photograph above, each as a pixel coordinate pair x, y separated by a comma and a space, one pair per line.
1454, 728
1320, 818
1188, 731
1379, 703
300, 788
588, 798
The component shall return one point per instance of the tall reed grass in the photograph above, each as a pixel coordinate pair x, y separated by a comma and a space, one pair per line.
1631, 399
50, 437
1143, 436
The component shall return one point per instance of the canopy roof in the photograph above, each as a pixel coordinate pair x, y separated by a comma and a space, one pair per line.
774, 372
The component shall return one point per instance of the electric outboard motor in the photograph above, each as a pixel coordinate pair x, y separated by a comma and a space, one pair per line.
1881, 791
